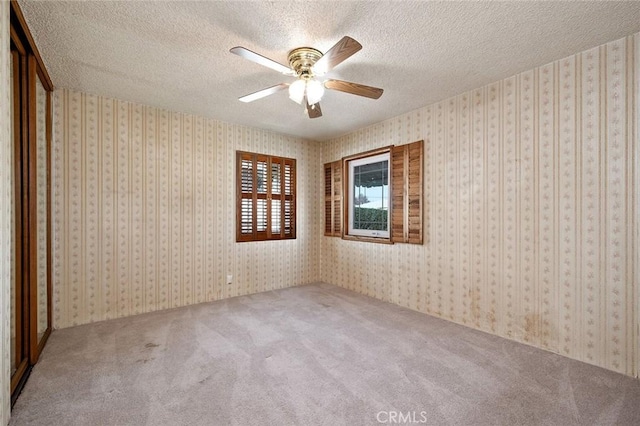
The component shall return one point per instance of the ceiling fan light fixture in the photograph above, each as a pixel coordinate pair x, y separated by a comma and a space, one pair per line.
315, 90
296, 91
306, 64
312, 89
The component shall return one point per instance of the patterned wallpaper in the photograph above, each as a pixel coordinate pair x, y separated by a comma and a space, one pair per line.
6, 199
144, 211
533, 196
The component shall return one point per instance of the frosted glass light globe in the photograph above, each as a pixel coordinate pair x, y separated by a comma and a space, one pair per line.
296, 91
315, 90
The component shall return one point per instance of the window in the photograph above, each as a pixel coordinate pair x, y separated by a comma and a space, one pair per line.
266, 197
379, 197
368, 200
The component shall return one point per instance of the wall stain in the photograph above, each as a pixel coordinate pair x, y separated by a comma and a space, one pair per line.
532, 327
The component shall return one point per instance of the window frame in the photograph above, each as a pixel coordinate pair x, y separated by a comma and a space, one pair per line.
346, 196
286, 233
351, 165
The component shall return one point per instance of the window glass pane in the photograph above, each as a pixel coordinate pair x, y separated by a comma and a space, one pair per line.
247, 176
246, 216
275, 216
288, 214
262, 215
261, 171
275, 178
368, 209
288, 179
371, 196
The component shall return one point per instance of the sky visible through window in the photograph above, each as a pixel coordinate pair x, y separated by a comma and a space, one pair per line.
372, 197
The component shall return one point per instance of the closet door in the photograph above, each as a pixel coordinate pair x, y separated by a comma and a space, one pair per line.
19, 351
39, 217
31, 219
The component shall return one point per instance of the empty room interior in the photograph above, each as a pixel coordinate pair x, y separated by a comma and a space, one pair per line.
319, 213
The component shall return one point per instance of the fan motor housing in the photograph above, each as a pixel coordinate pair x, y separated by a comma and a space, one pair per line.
302, 60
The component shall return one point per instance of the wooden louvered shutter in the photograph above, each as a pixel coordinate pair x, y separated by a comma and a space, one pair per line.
266, 197
245, 184
407, 162
289, 198
333, 199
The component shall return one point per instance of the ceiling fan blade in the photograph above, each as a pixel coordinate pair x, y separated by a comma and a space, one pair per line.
354, 88
263, 93
314, 110
262, 60
334, 56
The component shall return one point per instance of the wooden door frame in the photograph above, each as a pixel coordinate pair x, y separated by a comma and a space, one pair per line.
28, 66
32, 182
21, 274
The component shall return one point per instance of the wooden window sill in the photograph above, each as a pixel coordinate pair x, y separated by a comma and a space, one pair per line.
367, 239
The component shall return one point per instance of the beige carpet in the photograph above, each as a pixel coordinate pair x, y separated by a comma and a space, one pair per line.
315, 354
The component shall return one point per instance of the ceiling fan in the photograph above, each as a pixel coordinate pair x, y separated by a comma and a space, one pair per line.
306, 64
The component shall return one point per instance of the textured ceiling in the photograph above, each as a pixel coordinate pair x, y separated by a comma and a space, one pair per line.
175, 55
